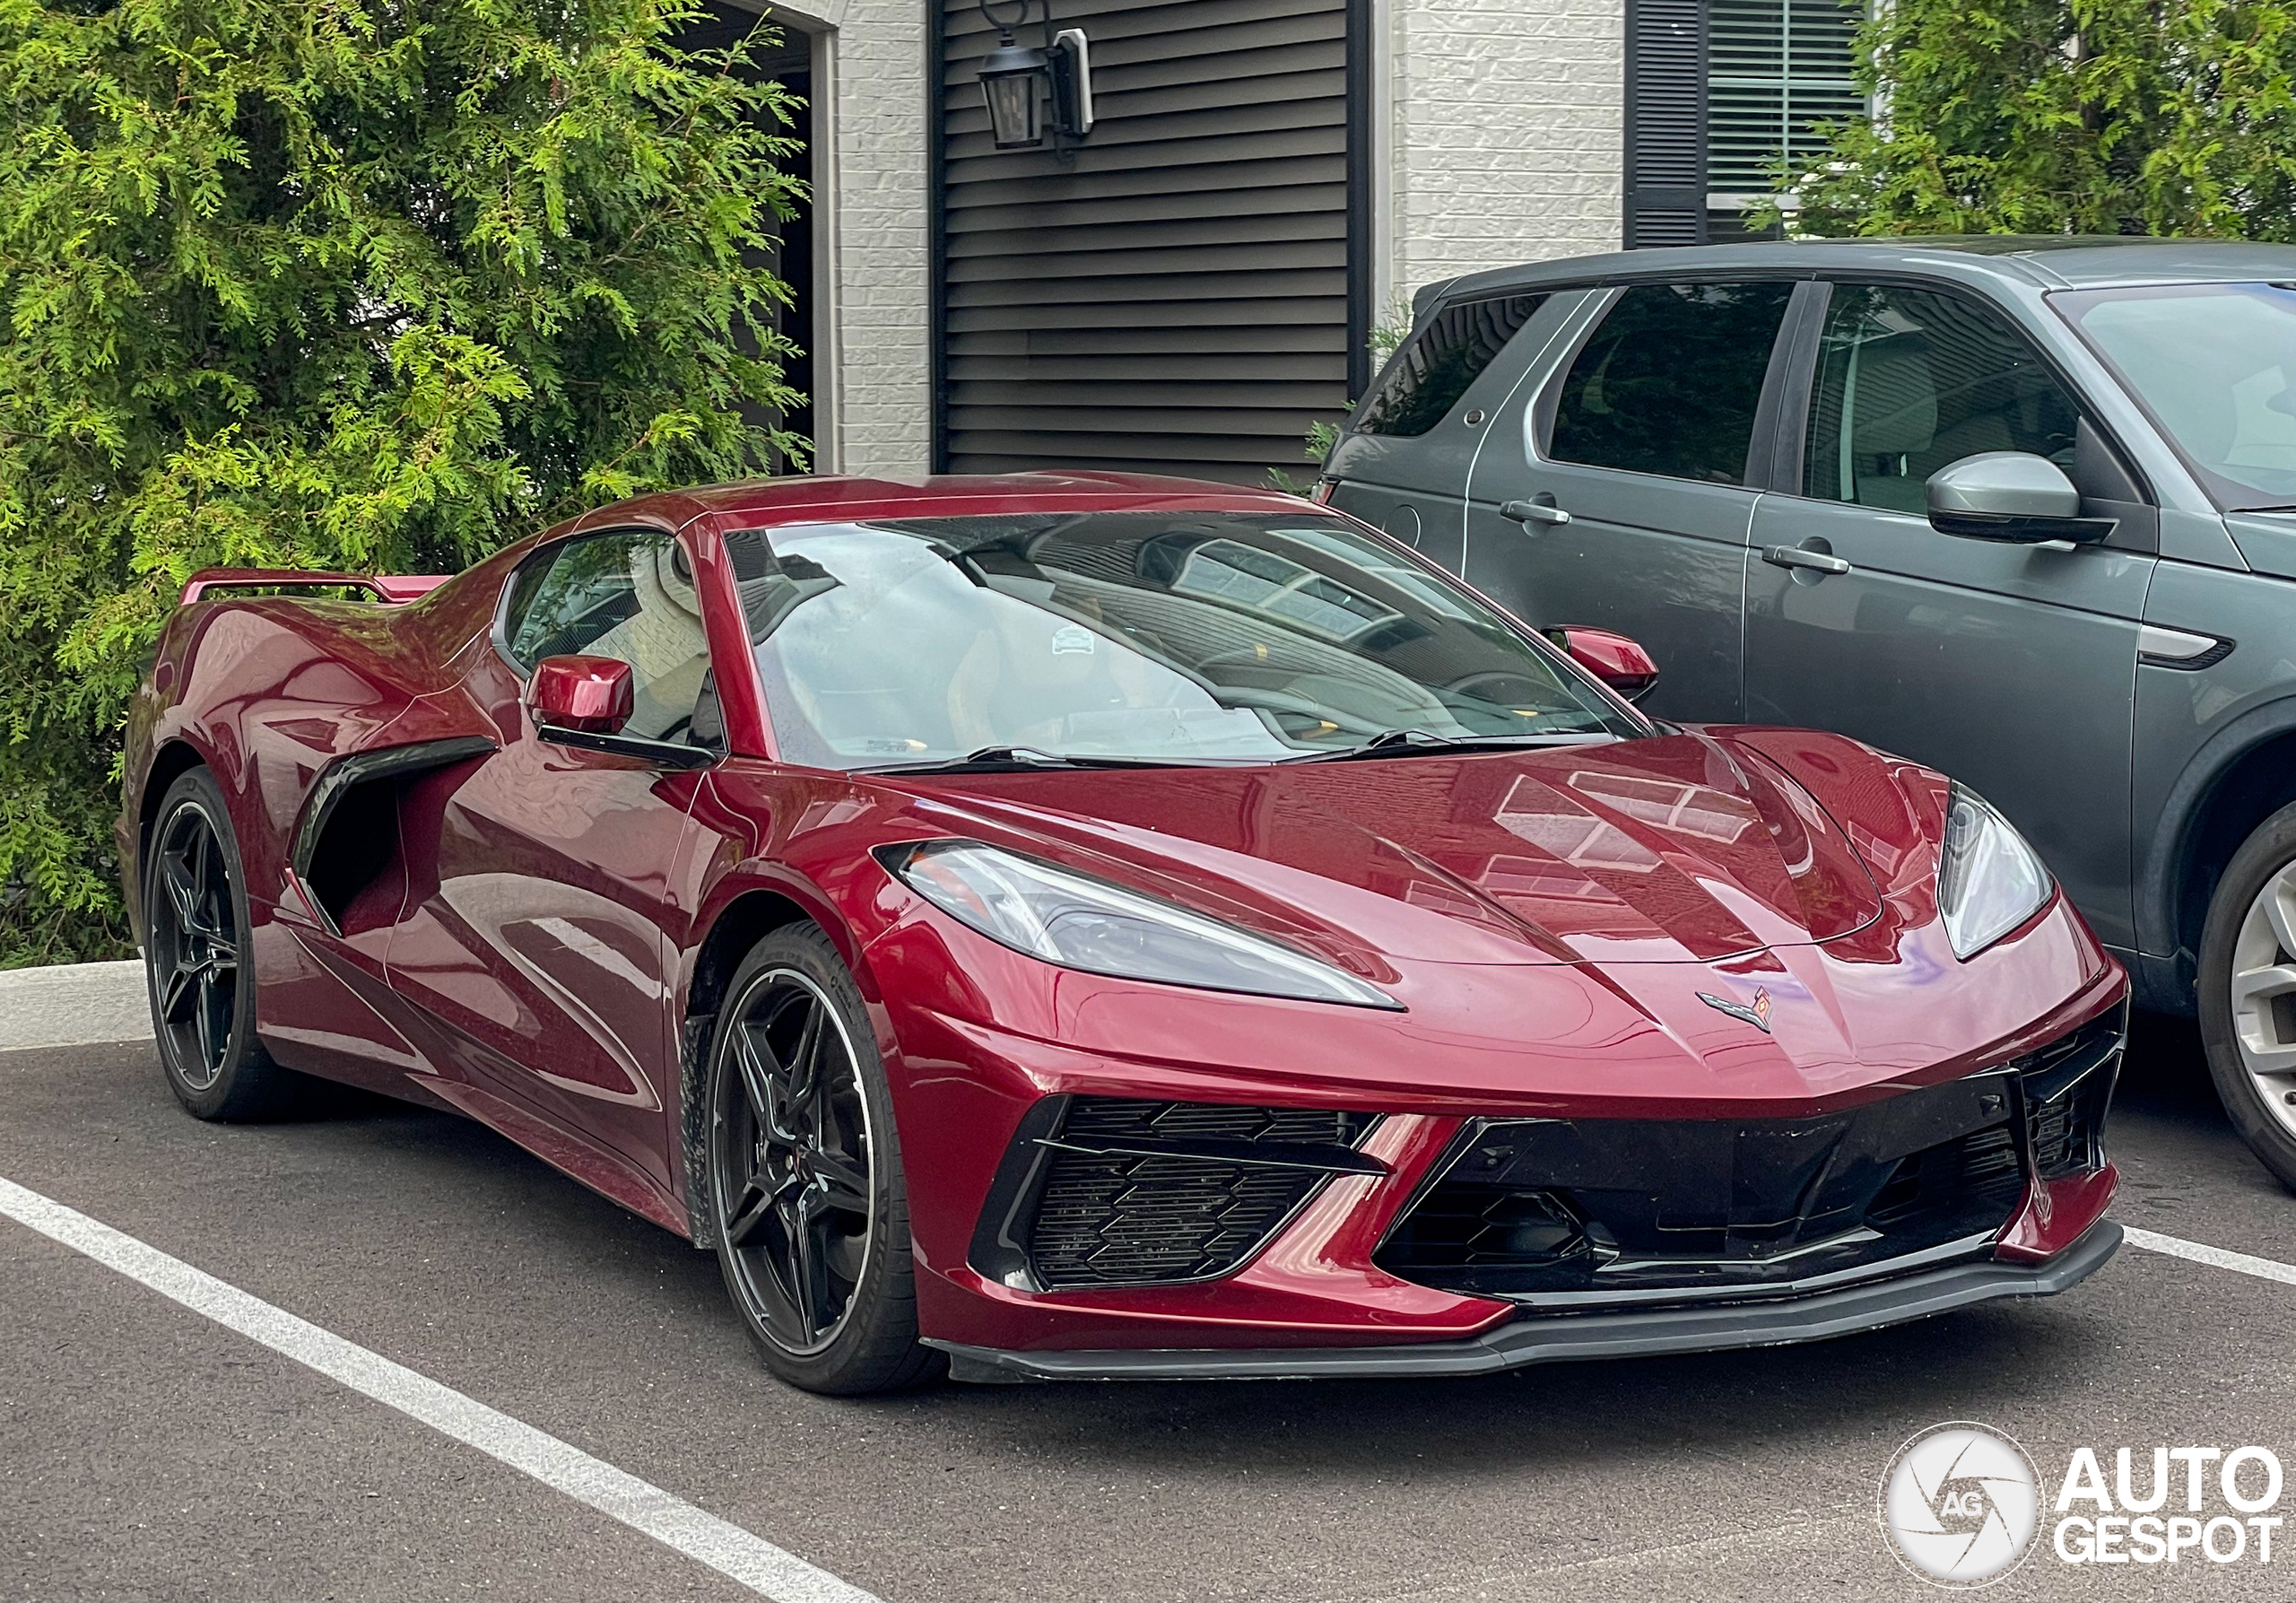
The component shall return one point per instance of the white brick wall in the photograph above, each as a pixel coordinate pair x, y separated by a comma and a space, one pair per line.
873, 208
1504, 126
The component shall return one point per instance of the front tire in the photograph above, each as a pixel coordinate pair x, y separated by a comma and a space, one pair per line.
805, 1178
2247, 992
199, 960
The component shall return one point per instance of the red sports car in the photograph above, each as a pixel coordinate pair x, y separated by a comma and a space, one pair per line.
1093, 927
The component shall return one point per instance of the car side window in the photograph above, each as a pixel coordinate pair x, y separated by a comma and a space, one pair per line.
1911, 379
1669, 382
1429, 374
628, 595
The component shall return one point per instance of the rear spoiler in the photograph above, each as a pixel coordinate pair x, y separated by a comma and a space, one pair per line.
391, 589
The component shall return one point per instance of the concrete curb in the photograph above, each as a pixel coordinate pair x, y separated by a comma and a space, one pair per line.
71, 1005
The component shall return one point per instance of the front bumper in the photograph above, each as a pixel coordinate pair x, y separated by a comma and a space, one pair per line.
1559, 1339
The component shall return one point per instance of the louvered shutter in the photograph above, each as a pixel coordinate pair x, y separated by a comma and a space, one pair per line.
1665, 122
1175, 299
1777, 69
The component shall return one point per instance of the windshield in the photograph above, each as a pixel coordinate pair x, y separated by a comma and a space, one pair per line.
1179, 637
2216, 365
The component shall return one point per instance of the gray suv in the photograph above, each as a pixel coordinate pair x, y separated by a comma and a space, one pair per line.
2021, 509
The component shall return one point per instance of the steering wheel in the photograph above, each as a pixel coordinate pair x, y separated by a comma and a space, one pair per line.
1276, 701
1464, 687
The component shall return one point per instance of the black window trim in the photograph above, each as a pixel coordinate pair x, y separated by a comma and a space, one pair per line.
1791, 440
668, 754
1540, 440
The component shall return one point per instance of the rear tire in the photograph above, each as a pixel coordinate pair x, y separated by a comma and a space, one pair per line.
2247, 992
199, 961
803, 1175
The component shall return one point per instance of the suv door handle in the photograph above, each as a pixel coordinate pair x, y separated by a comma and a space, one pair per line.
1794, 556
1541, 510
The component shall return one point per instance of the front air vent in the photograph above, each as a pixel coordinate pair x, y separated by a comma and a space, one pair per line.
1109, 1191
2068, 1085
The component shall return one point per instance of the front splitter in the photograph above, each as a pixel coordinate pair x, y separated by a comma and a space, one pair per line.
1550, 1339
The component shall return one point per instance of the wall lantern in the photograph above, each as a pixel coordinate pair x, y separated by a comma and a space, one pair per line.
1017, 79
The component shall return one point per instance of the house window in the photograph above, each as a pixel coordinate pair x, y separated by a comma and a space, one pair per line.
1775, 70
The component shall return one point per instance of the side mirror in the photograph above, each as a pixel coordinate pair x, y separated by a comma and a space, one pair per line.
2010, 496
591, 695
1617, 661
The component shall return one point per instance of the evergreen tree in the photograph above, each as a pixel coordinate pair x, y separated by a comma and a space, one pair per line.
371, 284
2111, 117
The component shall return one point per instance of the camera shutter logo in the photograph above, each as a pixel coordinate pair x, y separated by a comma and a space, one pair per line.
1960, 1504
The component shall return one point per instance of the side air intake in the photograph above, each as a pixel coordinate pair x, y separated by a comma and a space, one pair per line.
1107, 1191
348, 842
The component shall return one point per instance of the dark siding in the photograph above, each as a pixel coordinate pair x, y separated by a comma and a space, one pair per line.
1665, 122
1175, 297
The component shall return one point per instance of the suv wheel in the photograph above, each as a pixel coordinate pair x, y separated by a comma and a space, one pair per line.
2247, 992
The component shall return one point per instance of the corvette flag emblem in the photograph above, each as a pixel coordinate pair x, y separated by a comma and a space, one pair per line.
1758, 1015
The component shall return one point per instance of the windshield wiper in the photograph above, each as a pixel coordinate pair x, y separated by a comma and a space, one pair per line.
1412, 743
1013, 759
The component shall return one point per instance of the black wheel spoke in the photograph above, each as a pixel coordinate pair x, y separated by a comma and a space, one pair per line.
175, 876
809, 1267
749, 1210
176, 992
210, 1046
845, 1185
804, 1063
757, 1080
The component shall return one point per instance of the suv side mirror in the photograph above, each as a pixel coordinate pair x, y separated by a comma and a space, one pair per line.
2010, 496
591, 695
1614, 659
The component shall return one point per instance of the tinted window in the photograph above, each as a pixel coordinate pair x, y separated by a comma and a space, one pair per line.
1669, 383
1910, 380
1191, 637
1432, 372
2215, 363
628, 595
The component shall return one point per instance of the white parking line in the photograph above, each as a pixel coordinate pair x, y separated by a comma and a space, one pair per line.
704, 1537
2200, 1252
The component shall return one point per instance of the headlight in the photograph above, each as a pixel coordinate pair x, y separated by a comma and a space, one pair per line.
1084, 923
1990, 881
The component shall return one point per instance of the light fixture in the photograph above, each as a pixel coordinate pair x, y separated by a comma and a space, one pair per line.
1016, 80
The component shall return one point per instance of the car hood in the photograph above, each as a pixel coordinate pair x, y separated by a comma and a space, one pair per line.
1688, 847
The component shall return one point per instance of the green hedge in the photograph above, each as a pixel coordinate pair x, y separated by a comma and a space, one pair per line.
335, 283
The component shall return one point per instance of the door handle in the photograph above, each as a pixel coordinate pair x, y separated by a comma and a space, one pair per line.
1794, 556
1541, 510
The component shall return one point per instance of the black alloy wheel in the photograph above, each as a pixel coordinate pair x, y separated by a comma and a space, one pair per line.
197, 959
810, 1215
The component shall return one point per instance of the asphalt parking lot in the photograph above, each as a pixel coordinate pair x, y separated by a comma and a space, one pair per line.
147, 1453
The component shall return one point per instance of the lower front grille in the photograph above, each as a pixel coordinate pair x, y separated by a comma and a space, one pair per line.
1105, 1191
1565, 1212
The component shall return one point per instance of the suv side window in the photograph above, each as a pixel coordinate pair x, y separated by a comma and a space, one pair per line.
1668, 384
1910, 380
1429, 374
628, 595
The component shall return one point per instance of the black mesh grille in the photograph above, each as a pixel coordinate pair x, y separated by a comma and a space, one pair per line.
1118, 1219
1575, 1211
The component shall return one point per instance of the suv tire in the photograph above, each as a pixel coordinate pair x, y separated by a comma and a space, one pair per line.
2247, 992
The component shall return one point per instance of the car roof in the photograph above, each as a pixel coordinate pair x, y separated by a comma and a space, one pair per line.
2043, 261
807, 498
